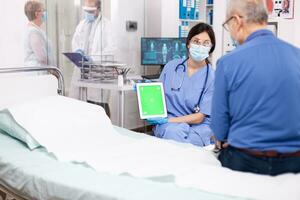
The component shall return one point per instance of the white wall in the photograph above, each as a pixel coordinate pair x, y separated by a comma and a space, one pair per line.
219, 18
288, 29
297, 22
162, 18
128, 44
170, 18
13, 23
153, 14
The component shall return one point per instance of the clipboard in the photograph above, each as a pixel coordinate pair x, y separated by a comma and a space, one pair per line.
76, 58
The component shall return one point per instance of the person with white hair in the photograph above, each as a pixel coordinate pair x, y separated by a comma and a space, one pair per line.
93, 36
38, 51
256, 107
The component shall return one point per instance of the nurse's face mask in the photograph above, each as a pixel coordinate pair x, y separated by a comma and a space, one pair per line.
42, 13
199, 50
44, 17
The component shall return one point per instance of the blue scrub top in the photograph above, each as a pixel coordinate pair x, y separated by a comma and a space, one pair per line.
182, 102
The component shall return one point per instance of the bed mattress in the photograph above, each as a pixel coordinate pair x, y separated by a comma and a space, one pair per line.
38, 175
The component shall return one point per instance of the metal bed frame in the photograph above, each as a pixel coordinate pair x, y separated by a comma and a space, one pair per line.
6, 193
52, 70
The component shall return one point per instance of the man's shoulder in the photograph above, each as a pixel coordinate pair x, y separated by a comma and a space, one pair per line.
288, 45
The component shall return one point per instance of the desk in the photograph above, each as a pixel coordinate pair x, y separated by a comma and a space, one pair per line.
84, 85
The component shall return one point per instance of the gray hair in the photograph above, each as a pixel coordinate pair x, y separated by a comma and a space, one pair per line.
98, 4
253, 11
30, 9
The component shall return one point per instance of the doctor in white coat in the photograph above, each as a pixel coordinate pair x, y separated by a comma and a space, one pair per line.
93, 36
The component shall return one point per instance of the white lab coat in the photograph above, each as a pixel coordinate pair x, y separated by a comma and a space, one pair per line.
37, 48
94, 39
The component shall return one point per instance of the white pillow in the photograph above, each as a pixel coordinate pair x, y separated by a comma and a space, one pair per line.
8, 125
60, 123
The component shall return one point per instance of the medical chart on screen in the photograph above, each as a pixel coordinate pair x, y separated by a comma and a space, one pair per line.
159, 51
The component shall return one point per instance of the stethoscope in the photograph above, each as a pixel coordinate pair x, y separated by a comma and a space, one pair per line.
196, 107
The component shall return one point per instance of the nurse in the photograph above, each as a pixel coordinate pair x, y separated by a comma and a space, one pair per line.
189, 85
37, 48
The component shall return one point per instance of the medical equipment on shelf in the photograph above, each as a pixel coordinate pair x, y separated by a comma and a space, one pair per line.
196, 108
151, 100
101, 68
189, 9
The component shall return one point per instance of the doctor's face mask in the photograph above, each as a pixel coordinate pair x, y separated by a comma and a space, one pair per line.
90, 17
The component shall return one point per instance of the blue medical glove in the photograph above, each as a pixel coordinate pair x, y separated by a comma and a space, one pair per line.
141, 81
157, 121
87, 58
79, 51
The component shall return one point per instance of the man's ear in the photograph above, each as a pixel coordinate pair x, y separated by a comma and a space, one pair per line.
239, 22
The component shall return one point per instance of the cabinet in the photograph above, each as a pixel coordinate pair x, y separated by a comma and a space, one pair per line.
192, 12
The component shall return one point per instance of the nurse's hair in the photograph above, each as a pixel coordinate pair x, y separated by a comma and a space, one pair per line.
98, 4
252, 11
200, 28
30, 9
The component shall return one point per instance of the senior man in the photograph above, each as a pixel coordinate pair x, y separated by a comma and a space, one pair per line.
256, 104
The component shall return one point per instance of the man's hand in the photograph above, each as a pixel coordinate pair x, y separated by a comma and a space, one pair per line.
221, 145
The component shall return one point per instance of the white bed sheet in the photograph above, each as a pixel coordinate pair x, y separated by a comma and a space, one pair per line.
36, 175
106, 151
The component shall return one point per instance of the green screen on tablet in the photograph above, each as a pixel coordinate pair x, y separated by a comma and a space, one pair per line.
151, 100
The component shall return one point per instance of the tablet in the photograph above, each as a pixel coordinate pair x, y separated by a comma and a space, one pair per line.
151, 100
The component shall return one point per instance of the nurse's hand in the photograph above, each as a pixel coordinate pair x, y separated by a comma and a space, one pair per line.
157, 121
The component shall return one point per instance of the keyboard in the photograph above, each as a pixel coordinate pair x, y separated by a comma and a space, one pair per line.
152, 76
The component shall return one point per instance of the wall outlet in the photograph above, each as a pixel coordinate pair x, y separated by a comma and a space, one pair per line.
131, 26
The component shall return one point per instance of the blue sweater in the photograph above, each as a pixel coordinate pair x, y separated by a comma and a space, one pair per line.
256, 102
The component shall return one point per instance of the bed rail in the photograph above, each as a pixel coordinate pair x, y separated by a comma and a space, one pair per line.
5, 194
52, 70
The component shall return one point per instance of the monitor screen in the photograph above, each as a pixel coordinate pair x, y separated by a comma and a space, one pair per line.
159, 51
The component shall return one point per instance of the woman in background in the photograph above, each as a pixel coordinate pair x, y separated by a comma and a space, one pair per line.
37, 47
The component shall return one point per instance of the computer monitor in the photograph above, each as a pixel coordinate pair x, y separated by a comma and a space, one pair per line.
159, 51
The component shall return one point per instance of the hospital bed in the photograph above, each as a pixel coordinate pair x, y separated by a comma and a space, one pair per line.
37, 174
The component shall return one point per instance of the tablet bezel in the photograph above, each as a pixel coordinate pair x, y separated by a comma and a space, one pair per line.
138, 85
